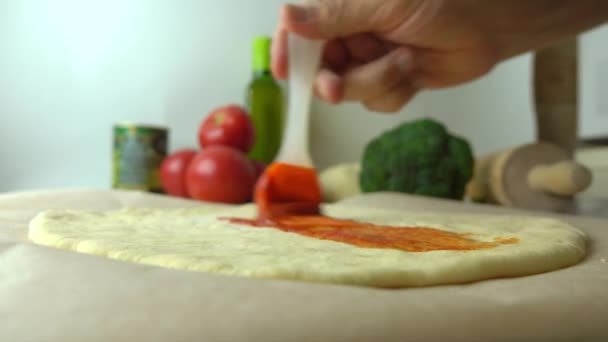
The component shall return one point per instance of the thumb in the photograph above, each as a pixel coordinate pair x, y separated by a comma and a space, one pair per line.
328, 19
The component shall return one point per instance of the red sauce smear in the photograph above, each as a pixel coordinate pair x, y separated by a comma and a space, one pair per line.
288, 197
367, 235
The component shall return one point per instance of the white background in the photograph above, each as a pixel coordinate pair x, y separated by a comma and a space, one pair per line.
70, 69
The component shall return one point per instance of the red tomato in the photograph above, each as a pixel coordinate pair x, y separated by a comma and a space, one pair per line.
173, 172
220, 174
229, 126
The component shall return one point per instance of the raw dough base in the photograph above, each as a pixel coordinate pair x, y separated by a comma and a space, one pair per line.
196, 240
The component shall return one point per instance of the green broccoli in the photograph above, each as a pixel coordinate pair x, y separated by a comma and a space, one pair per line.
419, 157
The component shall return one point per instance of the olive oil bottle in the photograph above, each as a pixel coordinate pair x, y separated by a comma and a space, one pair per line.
265, 103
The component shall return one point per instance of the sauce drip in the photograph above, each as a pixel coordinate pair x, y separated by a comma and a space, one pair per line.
367, 235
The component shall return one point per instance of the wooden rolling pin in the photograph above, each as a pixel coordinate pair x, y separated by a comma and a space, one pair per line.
539, 176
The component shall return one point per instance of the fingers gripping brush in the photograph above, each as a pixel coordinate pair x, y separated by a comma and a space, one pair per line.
289, 186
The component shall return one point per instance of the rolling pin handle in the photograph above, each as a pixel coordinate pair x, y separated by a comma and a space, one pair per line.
565, 178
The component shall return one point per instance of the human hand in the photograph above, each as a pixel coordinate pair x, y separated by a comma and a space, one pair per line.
383, 52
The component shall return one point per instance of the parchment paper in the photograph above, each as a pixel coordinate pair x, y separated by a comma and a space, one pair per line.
52, 295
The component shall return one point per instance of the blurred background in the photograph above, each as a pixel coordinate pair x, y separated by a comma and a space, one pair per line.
69, 69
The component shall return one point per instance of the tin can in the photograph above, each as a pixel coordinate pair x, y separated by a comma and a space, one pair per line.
137, 155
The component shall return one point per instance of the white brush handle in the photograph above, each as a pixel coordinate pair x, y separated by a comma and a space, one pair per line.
304, 58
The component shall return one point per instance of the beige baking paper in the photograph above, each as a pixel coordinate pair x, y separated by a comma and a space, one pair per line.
52, 295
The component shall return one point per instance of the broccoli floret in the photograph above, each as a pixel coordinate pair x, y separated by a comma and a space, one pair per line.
419, 157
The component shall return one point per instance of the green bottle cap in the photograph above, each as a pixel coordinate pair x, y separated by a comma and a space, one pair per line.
261, 53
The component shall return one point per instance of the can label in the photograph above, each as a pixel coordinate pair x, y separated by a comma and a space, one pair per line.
137, 155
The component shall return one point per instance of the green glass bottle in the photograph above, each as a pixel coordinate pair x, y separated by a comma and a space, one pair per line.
265, 104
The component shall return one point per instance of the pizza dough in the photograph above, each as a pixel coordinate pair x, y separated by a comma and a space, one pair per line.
197, 240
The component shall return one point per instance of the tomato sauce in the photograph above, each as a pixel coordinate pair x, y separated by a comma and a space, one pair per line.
286, 190
367, 235
288, 198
